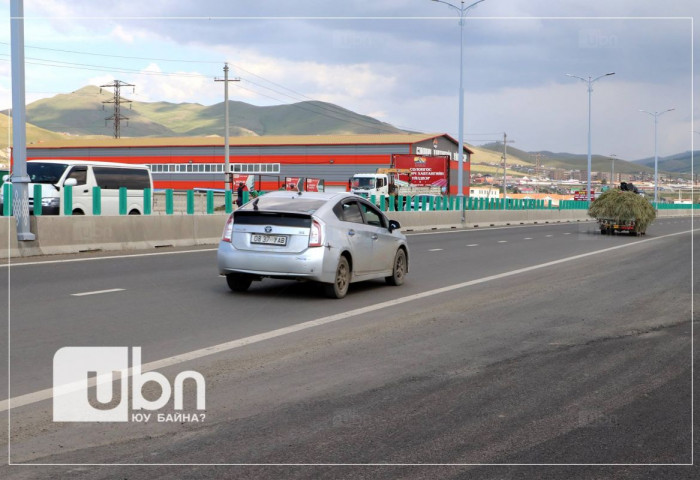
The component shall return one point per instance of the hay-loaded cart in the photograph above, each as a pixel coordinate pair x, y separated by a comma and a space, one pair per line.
610, 226
622, 211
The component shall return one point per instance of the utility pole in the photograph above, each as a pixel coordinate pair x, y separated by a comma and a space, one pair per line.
227, 169
538, 166
117, 117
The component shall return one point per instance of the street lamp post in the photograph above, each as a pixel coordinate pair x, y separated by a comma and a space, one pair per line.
462, 14
612, 171
590, 83
656, 116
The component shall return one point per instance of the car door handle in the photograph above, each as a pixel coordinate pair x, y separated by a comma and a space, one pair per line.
375, 236
351, 232
85, 191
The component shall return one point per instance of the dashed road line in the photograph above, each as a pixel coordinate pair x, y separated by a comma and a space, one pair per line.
97, 292
46, 394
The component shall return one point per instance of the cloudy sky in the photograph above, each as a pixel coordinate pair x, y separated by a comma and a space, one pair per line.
396, 60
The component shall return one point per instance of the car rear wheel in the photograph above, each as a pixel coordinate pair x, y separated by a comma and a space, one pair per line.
339, 288
399, 271
238, 282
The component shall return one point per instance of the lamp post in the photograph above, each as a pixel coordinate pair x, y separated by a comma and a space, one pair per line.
612, 171
590, 81
462, 14
656, 116
20, 179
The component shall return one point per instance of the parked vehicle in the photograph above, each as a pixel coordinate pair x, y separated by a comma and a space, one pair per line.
409, 175
55, 175
332, 238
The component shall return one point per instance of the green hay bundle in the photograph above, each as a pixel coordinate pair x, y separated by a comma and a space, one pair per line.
623, 206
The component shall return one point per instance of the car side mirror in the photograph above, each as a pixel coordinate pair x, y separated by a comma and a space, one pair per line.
71, 182
393, 225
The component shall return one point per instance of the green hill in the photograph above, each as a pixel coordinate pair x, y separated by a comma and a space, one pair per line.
34, 135
83, 113
572, 161
679, 163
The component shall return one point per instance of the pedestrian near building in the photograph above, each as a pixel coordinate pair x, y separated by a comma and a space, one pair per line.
241, 189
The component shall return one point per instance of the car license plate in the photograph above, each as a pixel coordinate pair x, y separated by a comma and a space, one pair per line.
268, 239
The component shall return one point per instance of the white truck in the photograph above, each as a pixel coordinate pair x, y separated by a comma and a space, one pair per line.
387, 182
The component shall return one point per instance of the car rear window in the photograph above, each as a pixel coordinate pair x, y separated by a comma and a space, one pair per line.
293, 203
285, 219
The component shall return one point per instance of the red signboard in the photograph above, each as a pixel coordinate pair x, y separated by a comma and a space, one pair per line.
292, 183
314, 185
425, 170
580, 195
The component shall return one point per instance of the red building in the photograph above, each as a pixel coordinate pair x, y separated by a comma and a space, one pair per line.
198, 162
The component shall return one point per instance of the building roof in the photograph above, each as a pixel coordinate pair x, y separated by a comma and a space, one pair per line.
266, 140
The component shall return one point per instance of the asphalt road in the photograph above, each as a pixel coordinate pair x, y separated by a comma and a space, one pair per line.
547, 344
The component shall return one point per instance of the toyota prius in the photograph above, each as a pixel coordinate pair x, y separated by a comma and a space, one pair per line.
332, 238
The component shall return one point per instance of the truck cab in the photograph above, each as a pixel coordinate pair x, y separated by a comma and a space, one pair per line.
368, 184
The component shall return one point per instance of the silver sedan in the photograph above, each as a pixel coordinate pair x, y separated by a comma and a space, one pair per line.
332, 238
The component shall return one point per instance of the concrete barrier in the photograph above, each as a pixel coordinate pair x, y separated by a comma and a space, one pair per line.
57, 235
417, 221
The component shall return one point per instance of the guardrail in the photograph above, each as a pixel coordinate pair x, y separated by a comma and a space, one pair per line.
190, 202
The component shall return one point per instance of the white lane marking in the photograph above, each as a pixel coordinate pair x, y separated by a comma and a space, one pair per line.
491, 229
473, 245
97, 292
549, 236
567, 233
503, 241
435, 250
134, 255
527, 238
47, 394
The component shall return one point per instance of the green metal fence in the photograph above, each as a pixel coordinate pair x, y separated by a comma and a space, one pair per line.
385, 203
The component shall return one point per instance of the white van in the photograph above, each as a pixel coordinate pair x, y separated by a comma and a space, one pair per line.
55, 175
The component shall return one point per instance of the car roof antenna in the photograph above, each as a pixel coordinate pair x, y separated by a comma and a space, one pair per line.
255, 203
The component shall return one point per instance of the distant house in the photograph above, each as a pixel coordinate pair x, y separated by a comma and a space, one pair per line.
484, 191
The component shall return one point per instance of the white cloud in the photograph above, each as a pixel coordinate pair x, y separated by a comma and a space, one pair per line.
182, 87
119, 33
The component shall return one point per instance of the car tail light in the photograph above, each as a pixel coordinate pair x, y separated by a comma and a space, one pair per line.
228, 230
315, 235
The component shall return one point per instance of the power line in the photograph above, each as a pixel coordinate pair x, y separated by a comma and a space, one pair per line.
331, 109
101, 68
116, 56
